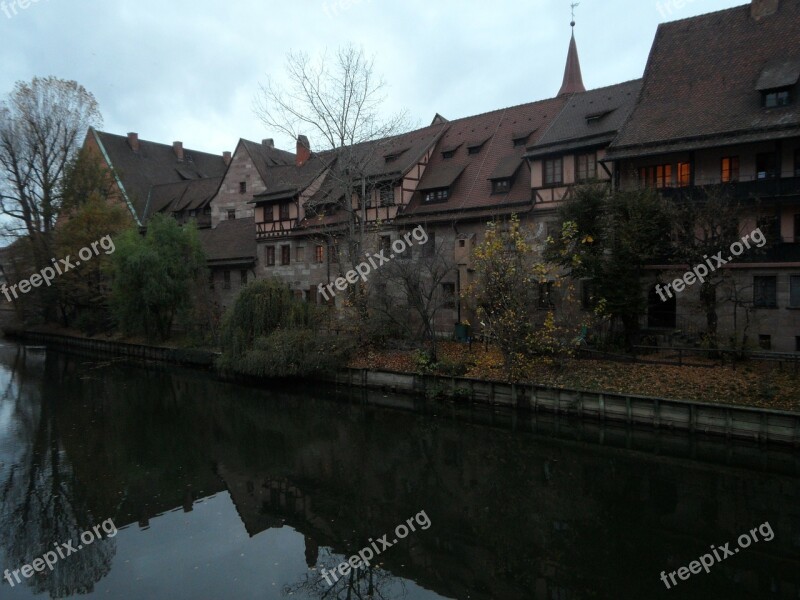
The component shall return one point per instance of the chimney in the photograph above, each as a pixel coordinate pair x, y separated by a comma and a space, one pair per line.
268, 143
303, 151
226, 158
763, 8
133, 141
178, 148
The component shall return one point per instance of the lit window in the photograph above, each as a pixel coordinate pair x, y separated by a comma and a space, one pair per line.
553, 171
319, 254
586, 167
658, 176
730, 169
684, 174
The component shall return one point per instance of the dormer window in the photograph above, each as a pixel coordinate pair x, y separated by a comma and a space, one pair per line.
476, 147
501, 186
440, 195
448, 154
595, 118
776, 98
394, 155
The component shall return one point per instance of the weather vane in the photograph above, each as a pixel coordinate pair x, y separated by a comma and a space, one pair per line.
574, 5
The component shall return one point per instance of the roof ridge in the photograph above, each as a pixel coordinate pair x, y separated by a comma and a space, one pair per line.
704, 15
169, 146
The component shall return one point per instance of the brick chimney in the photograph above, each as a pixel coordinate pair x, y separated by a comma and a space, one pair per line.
226, 158
763, 8
178, 148
268, 143
303, 150
133, 141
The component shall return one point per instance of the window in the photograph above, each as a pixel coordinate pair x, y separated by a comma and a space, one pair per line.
765, 342
730, 169
794, 291
657, 176
684, 174
546, 295
765, 292
211, 280
231, 215
333, 254
765, 165
475, 149
776, 98
242, 187
449, 295
286, 255
501, 186
226, 280
285, 211
319, 254
386, 244
387, 196
243, 277
586, 167
269, 256
462, 243
553, 171
300, 253
440, 195
449, 153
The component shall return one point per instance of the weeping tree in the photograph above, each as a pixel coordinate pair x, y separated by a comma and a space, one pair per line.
154, 276
268, 332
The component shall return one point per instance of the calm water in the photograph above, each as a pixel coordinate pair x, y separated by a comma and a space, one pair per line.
225, 491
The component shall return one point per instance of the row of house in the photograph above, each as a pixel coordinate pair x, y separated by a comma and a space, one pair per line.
717, 106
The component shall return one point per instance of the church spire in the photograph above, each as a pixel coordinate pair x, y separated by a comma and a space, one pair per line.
573, 80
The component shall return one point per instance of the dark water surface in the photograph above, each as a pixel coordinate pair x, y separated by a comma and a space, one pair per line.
225, 491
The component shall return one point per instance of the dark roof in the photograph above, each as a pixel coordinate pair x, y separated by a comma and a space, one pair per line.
588, 118
701, 79
573, 80
183, 195
232, 241
265, 157
154, 164
287, 181
499, 128
780, 73
443, 177
506, 168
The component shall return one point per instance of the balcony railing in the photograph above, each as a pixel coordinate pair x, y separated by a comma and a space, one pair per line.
776, 187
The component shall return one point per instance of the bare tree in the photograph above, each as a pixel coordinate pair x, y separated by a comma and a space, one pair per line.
336, 99
42, 125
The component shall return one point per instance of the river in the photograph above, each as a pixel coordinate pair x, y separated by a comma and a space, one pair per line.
202, 489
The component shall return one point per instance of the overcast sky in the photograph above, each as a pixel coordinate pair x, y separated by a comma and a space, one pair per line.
188, 70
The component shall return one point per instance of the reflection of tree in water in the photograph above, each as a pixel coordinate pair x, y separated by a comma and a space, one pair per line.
41, 499
371, 583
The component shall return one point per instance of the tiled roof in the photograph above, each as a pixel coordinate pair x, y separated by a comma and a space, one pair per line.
183, 195
232, 241
592, 117
472, 189
701, 79
154, 164
265, 157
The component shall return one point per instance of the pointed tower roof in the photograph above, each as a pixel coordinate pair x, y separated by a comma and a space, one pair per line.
573, 80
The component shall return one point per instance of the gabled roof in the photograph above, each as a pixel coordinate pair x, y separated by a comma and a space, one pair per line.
287, 181
588, 118
232, 242
472, 189
700, 84
154, 164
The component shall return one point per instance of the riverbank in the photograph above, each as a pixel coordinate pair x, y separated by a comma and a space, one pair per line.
755, 423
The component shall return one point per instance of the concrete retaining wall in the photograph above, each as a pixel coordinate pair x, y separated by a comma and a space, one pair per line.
716, 419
